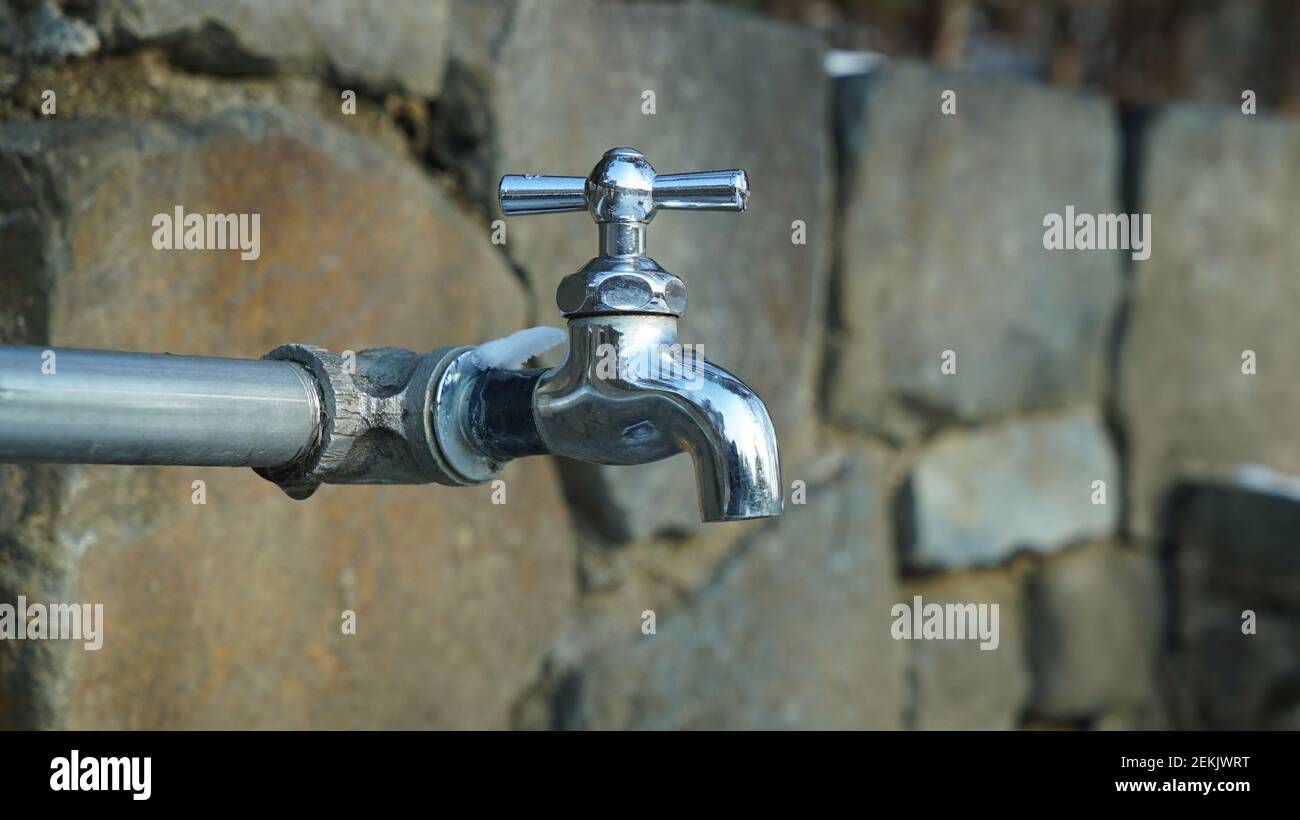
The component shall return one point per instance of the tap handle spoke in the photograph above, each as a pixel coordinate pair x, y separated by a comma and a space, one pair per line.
623, 188
538, 194
702, 191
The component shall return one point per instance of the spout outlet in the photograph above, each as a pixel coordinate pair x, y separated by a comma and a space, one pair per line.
629, 393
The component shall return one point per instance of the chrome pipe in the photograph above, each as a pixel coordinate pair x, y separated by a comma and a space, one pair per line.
104, 407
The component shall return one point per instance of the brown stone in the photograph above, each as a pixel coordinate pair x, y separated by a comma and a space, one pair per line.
229, 614
1095, 621
402, 48
955, 684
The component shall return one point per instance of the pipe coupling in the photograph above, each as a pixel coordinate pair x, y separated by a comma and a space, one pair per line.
388, 416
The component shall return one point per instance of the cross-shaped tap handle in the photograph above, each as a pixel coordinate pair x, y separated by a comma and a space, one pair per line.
624, 188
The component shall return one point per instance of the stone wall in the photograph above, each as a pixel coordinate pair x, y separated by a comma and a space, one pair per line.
966, 416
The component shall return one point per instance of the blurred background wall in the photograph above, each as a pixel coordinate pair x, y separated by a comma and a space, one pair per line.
1104, 447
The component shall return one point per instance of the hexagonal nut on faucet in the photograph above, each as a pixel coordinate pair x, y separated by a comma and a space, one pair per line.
621, 285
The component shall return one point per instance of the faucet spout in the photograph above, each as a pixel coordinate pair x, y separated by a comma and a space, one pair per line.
629, 393
725, 427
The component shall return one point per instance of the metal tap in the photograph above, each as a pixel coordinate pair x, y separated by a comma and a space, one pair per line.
628, 391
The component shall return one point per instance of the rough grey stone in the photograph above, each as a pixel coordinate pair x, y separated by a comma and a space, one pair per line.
9, 34
731, 91
401, 47
975, 498
1221, 280
1233, 551
33, 690
793, 632
942, 249
1233, 543
1222, 678
954, 683
1095, 618
39, 31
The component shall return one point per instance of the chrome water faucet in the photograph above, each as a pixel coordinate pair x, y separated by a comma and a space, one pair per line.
627, 393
